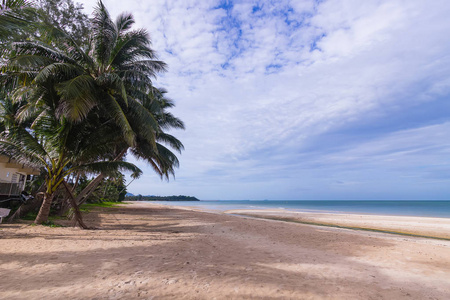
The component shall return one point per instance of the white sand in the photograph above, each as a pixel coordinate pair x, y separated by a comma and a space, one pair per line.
145, 251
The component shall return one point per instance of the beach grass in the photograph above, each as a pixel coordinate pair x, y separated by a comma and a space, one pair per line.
86, 207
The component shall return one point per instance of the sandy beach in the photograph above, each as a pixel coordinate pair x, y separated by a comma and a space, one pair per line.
148, 251
416, 226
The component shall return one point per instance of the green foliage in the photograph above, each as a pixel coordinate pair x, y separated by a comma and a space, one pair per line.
33, 186
30, 216
68, 16
51, 224
15, 17
87, 207
100, 204
111, 189
22, 20
77, 100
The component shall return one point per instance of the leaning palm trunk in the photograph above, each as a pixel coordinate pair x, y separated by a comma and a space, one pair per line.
84, 194
87, 191
44, 211
66, 203
76, 210
76, 182
90, 188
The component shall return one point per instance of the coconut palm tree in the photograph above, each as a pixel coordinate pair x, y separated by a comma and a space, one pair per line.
99, 97
55, 147
112, 73
161, 158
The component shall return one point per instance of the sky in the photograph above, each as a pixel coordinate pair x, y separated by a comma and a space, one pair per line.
297, 100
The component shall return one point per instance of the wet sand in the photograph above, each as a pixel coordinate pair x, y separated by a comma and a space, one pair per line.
415, 226
147, 251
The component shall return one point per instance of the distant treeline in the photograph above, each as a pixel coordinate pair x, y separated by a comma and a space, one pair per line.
161, 198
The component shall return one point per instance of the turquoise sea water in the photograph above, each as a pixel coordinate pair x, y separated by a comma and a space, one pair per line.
429, 208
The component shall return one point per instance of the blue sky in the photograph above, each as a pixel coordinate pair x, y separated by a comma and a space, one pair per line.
303, 99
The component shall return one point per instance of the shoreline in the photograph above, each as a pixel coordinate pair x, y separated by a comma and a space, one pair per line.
371, 229
150, 251
422, 227
327, 206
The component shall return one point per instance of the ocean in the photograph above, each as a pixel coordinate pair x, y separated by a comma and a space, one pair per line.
423, 208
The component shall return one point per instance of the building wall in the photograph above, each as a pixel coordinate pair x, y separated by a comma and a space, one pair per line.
4, 172
11, 172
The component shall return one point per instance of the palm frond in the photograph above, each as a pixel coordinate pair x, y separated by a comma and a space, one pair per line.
171, 141
149, 66
24, 147
39, 119
124, 22
58, 72
167, 121
104, 34
78, 97
40, 49
14, 15
163, 161
112, 81
13, 4
27, 112
167, 158
93, 142
118, 115
108, 167
66, 43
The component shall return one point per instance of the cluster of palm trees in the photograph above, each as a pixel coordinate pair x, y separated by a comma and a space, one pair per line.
72, 109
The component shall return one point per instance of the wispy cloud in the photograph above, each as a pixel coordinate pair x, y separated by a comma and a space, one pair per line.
304, 99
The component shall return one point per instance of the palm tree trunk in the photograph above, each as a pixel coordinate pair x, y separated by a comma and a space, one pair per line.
84, 194
66, 203
106, 188
77, 213
76, 182
44, 211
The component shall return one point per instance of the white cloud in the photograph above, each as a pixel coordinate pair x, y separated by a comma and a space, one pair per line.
256, 90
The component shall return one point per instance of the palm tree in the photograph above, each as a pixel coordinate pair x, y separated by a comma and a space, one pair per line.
101, 92
53, 146
14, 16
113, 73
161, 158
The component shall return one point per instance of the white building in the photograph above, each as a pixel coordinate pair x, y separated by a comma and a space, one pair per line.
13, 176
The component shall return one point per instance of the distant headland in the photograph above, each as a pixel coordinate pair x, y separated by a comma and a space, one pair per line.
131, 197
